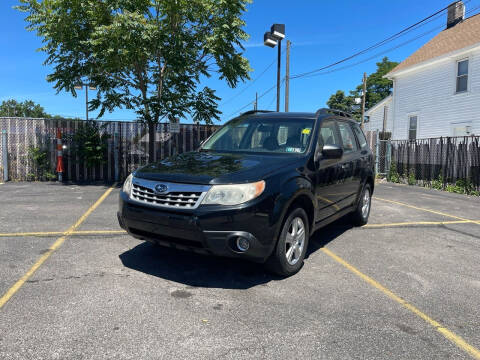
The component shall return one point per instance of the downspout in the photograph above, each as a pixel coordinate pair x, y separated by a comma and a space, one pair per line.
394, 103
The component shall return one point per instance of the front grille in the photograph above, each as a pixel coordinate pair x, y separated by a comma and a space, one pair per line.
173, 199
178, 195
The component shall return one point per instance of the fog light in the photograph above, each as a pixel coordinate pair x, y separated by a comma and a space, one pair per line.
242, 244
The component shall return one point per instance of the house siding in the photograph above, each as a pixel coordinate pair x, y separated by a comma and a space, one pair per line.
376, 117
429, 93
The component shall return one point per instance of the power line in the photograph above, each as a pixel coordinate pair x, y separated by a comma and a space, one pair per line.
252, 82
252, 102
376, 45
317, 72
369, 58
271, 101
259, 97
383, 52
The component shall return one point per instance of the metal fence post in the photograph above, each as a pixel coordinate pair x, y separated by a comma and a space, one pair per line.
388, 157
115, 152
5, 155
377, 152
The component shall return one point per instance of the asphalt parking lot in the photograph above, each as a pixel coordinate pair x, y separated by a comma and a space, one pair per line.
74, 286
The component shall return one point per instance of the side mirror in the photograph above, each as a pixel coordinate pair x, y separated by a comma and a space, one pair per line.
332, 152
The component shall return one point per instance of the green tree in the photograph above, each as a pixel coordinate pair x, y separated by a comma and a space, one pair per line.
27, 108
340, 101
378, 88
145, 55
90, 141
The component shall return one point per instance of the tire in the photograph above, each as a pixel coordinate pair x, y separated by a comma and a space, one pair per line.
362, 212
289, 253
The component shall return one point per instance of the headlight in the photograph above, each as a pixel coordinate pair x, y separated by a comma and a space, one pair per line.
127, 185
233, 194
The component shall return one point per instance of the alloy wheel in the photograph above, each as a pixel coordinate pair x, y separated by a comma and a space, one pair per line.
365, 203
295, 241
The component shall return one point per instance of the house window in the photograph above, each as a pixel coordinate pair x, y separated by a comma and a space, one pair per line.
412, 127
462, 75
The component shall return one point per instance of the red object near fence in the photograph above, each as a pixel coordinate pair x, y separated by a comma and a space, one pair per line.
59, 155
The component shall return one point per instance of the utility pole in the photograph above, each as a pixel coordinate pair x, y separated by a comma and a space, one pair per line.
385, 114
287, 77
364, 95
256, 101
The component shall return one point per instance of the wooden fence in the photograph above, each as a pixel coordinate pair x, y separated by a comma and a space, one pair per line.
126, 147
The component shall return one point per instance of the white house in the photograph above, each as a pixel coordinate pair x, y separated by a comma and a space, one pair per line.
380, 115
436, 91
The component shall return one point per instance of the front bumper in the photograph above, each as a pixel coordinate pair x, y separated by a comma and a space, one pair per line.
206, 230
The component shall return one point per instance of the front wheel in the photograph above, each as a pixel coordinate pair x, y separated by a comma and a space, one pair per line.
287, 258
361, 213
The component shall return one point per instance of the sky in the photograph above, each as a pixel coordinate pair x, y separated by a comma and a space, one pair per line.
321, 33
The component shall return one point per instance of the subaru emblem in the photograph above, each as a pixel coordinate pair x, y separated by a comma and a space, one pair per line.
161, 188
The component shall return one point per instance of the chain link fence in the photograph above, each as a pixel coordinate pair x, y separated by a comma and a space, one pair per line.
381, 151
31, 143
383, 157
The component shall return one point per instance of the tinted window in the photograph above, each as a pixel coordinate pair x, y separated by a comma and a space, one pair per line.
328, 134
462, 76
412, 127
282, 136
360, 136
348, 139
262, 135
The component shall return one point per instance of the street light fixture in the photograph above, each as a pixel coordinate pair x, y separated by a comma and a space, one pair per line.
80, 87
271, 39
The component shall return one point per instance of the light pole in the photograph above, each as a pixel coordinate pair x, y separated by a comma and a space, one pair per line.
80, 87
271, 39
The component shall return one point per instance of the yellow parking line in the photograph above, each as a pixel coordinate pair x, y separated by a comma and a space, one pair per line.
418, 223
10, 292
457, 340
426, 210
99, 232
52, 233
47, 233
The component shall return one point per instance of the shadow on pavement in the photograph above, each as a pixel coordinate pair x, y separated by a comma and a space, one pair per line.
213, 272
327, 234
194, 269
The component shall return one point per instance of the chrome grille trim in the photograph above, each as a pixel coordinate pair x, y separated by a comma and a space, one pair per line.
178, 196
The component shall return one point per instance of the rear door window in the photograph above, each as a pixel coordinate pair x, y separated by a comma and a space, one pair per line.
348, 139
360, 136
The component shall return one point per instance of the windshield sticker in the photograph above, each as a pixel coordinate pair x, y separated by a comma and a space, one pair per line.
293, 149
306, 131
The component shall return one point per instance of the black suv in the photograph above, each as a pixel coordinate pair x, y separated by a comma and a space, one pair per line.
256, 189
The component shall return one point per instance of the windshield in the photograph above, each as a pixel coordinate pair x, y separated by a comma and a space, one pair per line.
262, 135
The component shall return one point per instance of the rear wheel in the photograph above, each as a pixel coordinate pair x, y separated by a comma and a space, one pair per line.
361, 213
287, 258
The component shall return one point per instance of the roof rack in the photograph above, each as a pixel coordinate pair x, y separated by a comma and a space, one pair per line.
325, 111
249, 112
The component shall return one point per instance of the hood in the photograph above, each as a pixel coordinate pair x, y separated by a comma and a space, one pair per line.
214, 168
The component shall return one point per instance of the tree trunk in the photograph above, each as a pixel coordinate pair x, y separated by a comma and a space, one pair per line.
151, 141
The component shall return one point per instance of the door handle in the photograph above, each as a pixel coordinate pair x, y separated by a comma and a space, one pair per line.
345, 166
